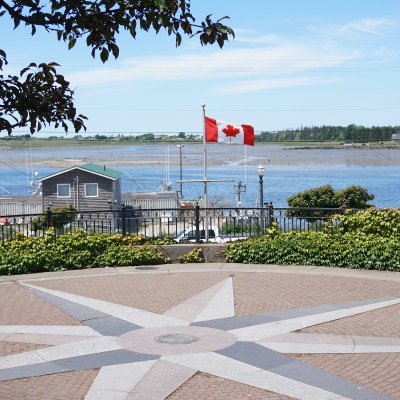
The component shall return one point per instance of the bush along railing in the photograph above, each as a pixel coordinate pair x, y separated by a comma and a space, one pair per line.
183, 224
355, 250
25, 255
366, 239
305, 219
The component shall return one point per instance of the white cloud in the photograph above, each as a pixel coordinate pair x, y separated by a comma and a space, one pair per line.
251, 63
368, 26
248, 36
365, 26
268, 84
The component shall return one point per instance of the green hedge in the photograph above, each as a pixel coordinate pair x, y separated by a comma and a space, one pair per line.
75, 251
384, 222
363, 240
348, 250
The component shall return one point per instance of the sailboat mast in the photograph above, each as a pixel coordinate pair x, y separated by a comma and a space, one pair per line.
27, 172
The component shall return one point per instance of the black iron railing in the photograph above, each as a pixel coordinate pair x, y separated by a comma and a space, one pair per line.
183, 224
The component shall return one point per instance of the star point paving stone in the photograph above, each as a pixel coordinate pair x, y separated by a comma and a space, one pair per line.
144, 355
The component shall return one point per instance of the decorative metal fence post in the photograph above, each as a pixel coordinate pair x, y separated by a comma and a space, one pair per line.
197, 222
270, 214
123, 220
48, 217
260, 171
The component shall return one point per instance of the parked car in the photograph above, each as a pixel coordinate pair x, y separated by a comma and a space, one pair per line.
189, 235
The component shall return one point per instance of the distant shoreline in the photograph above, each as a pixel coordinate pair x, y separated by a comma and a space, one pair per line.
154, 155
43, 142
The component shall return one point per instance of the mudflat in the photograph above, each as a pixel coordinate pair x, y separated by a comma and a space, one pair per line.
193, 155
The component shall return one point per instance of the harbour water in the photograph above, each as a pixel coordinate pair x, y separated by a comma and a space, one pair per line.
286, 173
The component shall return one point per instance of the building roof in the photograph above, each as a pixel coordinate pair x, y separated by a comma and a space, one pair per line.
101, 170
97, 169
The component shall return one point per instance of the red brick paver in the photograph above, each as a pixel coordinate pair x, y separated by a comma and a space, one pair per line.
261, 292
208, 387
64, 386
376, 371
254, 292
8, 348
384, 322
20, 307
152, 292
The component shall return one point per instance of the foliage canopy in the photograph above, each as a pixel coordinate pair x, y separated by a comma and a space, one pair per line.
40, 96
351, 134
326, 197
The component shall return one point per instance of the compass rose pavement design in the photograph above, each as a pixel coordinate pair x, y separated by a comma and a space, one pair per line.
135, 353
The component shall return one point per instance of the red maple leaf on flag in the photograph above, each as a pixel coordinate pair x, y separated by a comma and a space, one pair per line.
230, 131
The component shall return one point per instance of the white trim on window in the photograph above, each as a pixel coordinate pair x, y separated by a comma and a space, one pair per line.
91, 190
63, 190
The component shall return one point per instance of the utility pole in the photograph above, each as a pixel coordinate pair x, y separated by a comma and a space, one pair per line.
239, 188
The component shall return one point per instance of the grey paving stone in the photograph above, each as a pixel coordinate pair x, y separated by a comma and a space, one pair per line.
240, 321
324, 380
256, 355
31, 370
100, 322
110, 326
81, 313
103, 359
75, 364
269, 360
243, 321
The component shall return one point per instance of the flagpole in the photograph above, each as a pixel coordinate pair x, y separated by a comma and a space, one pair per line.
245, 165
203, 106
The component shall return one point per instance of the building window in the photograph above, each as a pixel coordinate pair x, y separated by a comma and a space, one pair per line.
91, 190
63, 190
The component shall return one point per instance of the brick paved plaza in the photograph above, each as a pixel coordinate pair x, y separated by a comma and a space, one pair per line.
205, 331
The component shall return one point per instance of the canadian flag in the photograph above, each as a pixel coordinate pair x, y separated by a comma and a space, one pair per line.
222, 132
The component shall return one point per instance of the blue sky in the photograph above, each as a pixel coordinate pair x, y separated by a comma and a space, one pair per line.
293, 63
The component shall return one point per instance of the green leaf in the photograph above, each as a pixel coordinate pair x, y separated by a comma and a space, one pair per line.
104, 54
24, 70
160, 4
114, 49
71, 43
178, 39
